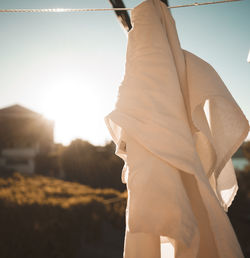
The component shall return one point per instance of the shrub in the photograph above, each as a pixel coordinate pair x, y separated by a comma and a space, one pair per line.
46, 217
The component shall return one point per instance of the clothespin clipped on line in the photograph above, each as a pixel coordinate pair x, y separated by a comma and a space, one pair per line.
123, 16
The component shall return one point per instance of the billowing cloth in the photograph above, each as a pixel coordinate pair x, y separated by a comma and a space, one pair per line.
178, 167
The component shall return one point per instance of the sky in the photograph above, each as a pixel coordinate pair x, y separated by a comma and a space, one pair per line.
69, 66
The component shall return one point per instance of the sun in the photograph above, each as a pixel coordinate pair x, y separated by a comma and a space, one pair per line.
76, 110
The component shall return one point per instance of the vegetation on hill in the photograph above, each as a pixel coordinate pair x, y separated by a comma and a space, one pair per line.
45, 217
82, 162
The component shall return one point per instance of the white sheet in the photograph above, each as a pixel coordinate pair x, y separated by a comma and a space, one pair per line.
160, 107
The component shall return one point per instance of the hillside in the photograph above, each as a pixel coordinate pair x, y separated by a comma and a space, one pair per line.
47, 217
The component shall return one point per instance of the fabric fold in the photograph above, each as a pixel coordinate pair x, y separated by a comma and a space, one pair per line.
160, 106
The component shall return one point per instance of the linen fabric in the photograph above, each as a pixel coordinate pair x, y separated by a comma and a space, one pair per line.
177, 160
152, 184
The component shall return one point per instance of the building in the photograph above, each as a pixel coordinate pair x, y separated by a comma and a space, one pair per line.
24, 134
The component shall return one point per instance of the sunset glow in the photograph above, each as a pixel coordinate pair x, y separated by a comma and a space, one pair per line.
75, 109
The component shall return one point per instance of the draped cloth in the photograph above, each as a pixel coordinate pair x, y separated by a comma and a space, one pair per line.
178, 168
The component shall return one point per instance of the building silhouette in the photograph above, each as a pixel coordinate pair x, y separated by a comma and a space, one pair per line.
24, 134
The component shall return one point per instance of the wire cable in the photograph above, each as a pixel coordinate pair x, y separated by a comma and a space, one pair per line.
65, 10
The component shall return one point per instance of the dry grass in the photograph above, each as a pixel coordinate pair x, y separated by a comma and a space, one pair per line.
47, 217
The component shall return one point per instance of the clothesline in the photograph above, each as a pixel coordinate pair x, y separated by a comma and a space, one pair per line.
61, 10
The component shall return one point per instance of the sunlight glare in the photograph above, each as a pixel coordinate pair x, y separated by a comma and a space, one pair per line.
75, 109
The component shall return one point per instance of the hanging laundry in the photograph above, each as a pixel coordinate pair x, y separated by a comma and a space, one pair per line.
178, 166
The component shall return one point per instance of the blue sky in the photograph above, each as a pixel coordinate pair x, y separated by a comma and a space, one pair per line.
68, 66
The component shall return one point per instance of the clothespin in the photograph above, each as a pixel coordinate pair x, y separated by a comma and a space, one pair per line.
123, 16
